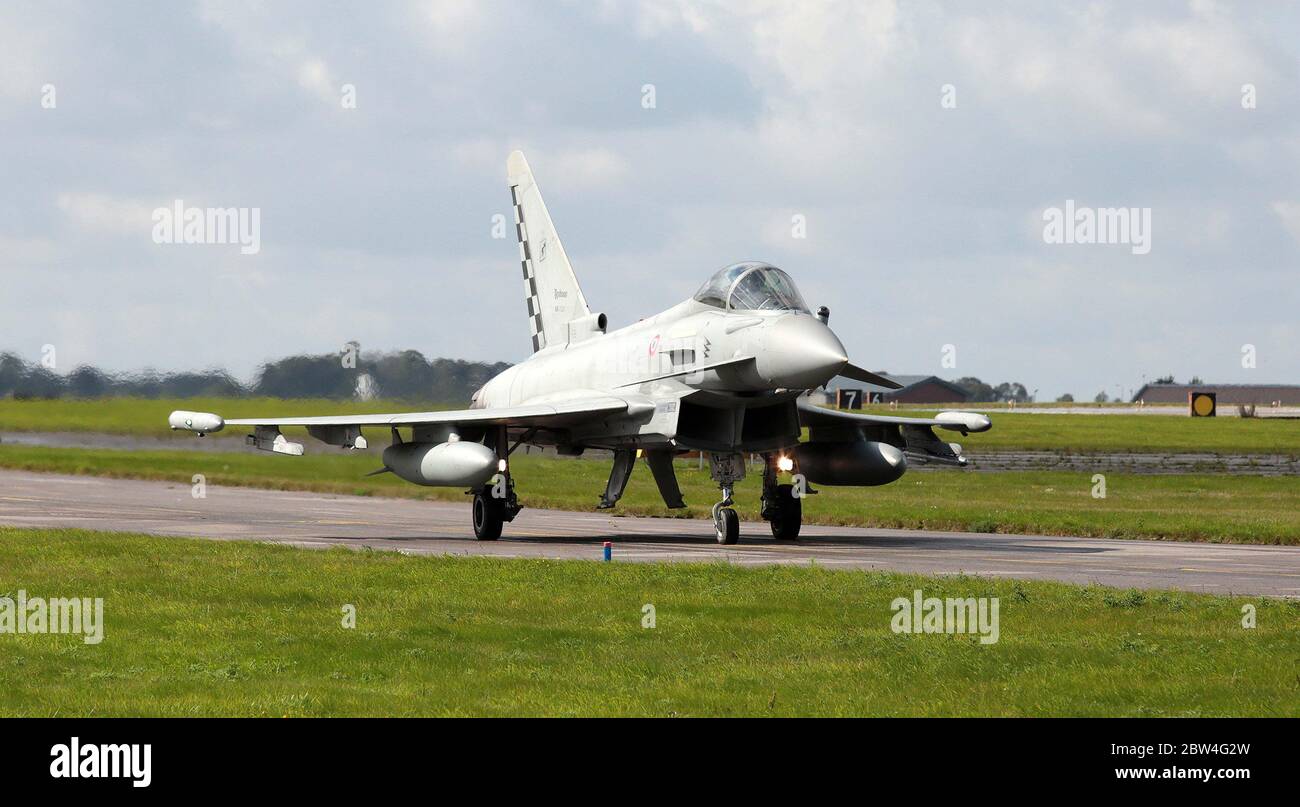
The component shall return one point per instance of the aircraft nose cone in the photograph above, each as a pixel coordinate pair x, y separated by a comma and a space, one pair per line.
800, 352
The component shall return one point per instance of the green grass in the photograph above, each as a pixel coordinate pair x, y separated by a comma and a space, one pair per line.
1235, 509
1024, 431
197, 627
148, 416
1006, 405
1011, 431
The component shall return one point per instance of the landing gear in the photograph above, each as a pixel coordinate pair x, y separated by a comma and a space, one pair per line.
726, 470
782, 505
489, 515
726, 524
624, 462
787, 515
495, 502
782, 509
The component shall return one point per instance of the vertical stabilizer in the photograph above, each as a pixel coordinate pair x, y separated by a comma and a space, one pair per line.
550, 287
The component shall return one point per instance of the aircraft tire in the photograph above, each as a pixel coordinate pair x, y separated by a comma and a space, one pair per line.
489, 516
789, 514
728, 526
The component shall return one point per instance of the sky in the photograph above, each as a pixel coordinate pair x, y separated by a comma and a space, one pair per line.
899, 160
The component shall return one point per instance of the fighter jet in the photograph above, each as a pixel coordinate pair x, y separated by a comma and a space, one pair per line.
726, 372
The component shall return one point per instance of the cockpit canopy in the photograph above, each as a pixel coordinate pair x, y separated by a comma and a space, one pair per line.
751, 286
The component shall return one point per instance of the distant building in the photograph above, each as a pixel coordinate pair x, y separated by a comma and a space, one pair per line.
919, 389
1228, 394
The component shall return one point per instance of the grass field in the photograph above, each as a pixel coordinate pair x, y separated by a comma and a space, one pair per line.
1024, 431
196, 627
1236, 509
1011, 431
148, 416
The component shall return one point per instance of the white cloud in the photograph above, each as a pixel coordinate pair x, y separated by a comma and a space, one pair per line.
813, 51
26, 45
582, 169
314, 75
107, 214
1289, 213
453, 18
27, 252
277, 51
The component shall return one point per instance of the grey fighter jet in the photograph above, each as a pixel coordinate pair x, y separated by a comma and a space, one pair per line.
726, 372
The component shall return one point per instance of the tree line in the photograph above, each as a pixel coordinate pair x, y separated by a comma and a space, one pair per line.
405, 375
981, 392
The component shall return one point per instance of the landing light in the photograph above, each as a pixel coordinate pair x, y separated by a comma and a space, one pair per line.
785, 464
501, 466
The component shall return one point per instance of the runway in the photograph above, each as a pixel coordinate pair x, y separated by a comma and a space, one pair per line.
419, 527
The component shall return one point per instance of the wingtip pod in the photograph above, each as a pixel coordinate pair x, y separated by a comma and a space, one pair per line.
966, 421
201, 422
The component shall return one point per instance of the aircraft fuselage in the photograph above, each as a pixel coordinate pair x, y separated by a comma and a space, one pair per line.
653, 363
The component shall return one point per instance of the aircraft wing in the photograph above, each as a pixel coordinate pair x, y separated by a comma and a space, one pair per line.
811, 415
526, 415
344, 429
914, 435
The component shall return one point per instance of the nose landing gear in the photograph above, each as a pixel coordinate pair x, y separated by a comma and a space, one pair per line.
726, 470
725, 521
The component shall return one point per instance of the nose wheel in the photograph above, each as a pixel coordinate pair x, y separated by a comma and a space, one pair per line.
726, 524
726, 470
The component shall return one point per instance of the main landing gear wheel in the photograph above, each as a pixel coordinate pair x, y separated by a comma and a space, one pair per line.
727, 526
789, 514
489, 515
